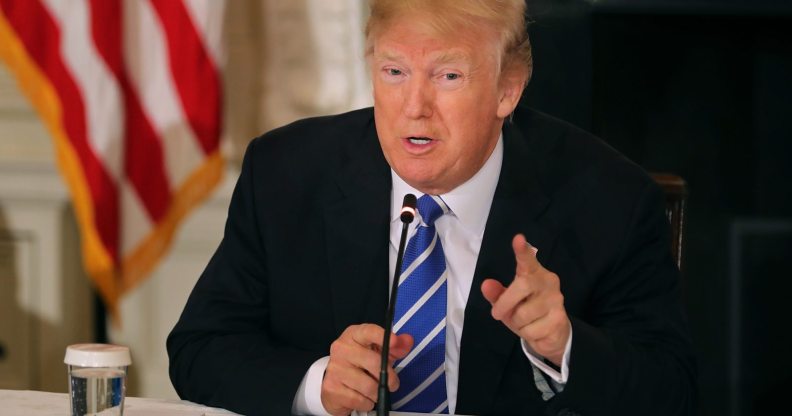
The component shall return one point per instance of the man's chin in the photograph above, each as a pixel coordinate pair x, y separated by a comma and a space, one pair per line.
428, 185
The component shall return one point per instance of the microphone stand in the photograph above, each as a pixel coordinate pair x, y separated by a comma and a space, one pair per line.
383, 394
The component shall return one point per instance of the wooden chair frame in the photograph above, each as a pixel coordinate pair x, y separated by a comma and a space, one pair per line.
676, 192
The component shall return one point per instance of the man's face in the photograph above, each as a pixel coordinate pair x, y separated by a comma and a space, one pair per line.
438, 102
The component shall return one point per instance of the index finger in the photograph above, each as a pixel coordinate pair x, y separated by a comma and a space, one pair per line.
525, 254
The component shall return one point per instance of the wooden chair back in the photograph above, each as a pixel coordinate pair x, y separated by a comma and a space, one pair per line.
676, 197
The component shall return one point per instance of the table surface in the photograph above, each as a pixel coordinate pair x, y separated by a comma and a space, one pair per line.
40, 403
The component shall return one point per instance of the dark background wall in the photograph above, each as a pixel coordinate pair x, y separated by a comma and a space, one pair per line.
702, 89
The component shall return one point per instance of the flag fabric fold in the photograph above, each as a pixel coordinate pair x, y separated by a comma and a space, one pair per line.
131, 93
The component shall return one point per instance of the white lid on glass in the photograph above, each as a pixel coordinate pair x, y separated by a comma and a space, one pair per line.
97, 355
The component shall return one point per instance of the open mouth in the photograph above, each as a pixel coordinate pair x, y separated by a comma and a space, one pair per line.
419, 140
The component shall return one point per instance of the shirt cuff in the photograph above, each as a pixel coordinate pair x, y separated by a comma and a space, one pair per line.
538, 361
308, 400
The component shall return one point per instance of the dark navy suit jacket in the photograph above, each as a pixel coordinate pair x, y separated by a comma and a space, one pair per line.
305, 255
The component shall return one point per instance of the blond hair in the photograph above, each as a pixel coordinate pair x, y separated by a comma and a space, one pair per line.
447, 16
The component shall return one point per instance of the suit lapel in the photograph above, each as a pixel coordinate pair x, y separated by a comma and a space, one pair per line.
518, 206
357, 226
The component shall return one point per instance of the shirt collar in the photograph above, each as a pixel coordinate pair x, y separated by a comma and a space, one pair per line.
470, 202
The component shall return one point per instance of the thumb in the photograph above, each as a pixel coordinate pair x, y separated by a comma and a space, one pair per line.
492, 290
400, 345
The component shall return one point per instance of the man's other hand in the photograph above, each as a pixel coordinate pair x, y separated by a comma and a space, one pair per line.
352, 377
532, 306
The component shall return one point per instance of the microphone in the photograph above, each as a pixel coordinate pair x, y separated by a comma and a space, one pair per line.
383, 394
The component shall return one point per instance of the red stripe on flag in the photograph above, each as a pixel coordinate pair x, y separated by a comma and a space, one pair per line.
40, 34
144, 162
194, 73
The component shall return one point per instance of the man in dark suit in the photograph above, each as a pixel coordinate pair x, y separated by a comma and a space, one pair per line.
287, 317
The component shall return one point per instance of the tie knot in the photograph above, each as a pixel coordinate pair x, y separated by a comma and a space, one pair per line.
431, 208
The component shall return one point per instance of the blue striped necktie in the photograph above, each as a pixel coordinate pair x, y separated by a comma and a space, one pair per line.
421, 312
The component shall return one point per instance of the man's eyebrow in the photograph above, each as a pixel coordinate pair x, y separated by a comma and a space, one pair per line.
388, 56
441, 58
451, 56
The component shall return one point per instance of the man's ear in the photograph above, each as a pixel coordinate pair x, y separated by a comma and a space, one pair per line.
511, 86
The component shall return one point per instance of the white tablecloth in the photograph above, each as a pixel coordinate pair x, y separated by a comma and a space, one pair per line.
39, 403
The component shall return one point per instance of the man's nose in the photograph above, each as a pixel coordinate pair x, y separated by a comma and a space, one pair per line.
419, 99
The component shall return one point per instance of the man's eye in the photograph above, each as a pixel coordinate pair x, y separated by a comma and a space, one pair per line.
392, 71
452, 76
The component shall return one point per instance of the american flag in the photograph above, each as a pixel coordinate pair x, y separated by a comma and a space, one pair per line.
130, 91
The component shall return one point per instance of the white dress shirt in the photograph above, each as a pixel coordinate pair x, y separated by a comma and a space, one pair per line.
461, 232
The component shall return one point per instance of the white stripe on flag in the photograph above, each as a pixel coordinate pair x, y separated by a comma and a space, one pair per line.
207, 17
146, 52
135, 221
99, 90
